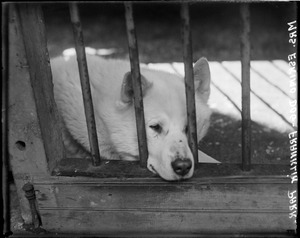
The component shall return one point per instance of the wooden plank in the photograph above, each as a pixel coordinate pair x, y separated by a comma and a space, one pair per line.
218, 204
246, 111
4, 123
136, 82
35, 42
26, 146
125, 169
226, 83
282, 66
87, 181
85, 84
266, 105
271, 75
226, 77
167, 67
237, 195
259, 85
90, 205
285, 234
94, 222
224, 96
189, 80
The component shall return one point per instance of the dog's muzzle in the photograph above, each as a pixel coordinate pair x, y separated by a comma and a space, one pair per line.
181, 166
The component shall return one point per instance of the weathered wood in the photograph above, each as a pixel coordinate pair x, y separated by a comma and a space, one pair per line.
92, 206
189, 80
236, 195
270, 79
93, 222
35, 42
4, 123
124, 169
230, 69
134, 202
85, 84
26, 146
284, 234
246, 110
266, 105
136, 82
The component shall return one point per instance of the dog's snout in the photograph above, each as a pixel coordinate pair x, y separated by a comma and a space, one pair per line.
181, 166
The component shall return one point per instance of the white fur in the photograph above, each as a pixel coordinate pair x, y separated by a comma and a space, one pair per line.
164, 103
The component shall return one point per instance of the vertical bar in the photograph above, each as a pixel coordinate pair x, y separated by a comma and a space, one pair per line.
85, 84
27, 151
189, 80
246, 116
37, 57
136, 82
5, 162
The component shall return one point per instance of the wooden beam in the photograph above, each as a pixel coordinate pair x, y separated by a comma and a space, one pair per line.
35, 42
4, 123
27, 147
227, 205
125, 169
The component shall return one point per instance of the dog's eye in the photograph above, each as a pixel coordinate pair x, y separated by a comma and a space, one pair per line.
157, 128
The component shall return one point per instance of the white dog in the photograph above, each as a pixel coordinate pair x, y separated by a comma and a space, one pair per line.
164, 109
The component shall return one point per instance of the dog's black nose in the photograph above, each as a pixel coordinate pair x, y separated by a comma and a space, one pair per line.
182, 166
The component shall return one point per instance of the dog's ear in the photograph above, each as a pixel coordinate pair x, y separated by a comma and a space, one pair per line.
202, 78
127, 87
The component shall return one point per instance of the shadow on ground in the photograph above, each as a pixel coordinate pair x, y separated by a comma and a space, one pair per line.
223, 142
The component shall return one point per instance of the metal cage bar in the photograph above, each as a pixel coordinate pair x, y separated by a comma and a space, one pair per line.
189, 80
246, 111
85, 83
136, 82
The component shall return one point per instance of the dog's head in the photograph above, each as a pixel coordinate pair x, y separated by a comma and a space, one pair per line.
166, 118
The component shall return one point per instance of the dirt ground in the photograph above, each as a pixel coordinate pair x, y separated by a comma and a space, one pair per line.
215, 32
